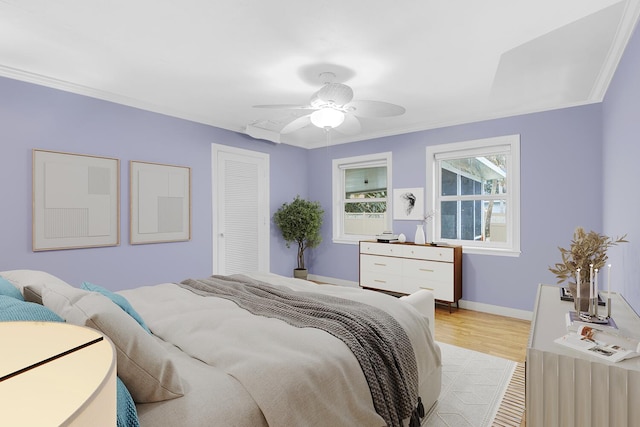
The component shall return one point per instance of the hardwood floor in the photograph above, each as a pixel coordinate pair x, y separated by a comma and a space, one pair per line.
487, 333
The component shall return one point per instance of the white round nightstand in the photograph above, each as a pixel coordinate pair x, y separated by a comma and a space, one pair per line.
56, 374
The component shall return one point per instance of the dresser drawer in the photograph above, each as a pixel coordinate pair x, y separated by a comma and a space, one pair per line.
428, 270
379, 264
442, 291
381, 280
387, 249
435, 253
406, 285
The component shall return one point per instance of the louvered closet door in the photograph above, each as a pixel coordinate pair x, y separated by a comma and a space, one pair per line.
240, 210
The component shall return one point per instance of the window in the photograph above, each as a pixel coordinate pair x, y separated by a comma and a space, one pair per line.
475, 194
361, 201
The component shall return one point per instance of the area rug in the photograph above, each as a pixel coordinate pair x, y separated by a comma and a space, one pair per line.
474, 385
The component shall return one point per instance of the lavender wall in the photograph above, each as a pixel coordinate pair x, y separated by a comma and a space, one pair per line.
560, 186
621, 133
561, 165
33, 116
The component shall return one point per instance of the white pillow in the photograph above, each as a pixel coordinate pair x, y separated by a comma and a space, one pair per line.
31, 282
143, 364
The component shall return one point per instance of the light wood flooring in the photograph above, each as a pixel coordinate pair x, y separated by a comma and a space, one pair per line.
500, 336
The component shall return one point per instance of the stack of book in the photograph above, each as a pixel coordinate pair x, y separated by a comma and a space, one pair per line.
387, 237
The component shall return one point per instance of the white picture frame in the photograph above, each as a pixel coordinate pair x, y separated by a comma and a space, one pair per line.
408, 203
75, 201
160, 203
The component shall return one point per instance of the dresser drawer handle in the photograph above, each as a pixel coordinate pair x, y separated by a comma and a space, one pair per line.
424, 287
427, 270
380, 264
380, 281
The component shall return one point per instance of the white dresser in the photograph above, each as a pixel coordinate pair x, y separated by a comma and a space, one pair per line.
405, 268
566, 388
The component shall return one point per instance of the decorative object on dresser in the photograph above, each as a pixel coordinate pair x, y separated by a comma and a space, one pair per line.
300, 222
404, 268
427, 219
587, 253
569, 387
566, 295
387, 236
419, 238
601, 342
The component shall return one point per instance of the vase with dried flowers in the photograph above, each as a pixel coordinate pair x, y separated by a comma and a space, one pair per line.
427, 218
588, 250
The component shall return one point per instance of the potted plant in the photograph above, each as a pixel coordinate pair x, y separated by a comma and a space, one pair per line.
300, 222
586, 250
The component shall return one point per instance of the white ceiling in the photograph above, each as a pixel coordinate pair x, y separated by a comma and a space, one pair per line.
210, 61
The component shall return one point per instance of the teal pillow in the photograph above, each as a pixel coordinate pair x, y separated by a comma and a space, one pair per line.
12, 309
6, 288
119, 300
127, 416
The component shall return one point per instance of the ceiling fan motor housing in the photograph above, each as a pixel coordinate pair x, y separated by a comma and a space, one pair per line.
332, 93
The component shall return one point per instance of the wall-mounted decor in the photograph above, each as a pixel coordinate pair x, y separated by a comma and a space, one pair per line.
76, 201
160, 203
408, 203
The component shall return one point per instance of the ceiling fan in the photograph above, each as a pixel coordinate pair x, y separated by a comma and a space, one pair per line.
333, 107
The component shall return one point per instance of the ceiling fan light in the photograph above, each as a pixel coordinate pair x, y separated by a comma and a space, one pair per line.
327, 118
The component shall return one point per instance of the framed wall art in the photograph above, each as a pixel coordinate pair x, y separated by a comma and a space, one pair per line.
160, 203
408, 203
76, 201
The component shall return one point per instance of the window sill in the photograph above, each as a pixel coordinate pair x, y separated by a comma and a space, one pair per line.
490, 251
352, 241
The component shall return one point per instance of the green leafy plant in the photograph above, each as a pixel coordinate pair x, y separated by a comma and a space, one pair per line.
300, 222
585, 249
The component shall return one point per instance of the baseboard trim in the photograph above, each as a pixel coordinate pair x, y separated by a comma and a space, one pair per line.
496, 309
468, 305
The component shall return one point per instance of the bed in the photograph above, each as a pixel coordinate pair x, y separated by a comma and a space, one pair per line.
202, 360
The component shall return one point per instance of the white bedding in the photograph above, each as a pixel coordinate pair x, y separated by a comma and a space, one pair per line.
239, 369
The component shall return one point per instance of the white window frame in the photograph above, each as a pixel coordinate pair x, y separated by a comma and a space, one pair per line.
338, 178
508, 145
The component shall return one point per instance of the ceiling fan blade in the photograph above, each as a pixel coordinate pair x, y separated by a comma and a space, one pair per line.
374, 109
350, 126
284, 106
296, 124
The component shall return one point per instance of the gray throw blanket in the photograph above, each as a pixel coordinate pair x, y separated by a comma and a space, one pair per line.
375, 338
